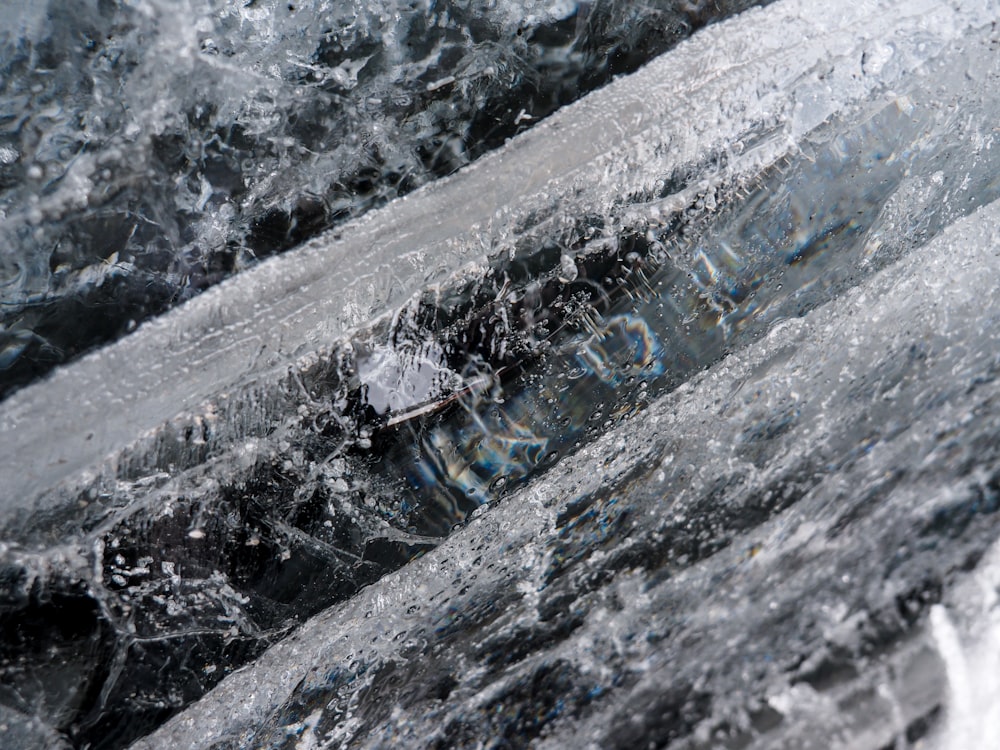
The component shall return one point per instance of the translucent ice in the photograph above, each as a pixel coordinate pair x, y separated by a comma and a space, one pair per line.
175, 141
679, 365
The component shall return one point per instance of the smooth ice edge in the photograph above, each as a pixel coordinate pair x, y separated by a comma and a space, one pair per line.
249, 330
937, 290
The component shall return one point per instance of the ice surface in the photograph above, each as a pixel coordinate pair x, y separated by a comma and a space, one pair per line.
149, 149
719, 567
970, 650
745, 554
244, 336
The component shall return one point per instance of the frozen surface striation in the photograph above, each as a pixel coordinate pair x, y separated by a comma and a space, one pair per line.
149, 149
745, 561
687, 411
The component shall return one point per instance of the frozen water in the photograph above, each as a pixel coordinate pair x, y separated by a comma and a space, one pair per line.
149, 149
971, 659
684, 399
744, 563
538, 196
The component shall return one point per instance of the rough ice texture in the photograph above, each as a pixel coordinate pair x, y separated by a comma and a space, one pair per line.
150, 149
242, 336
722, 562
751, 471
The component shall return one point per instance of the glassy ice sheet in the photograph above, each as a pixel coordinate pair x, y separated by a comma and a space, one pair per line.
150, 149
682, 453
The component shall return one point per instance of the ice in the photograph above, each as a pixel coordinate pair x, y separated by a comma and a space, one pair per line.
244, 335
694, 560
970, 658
683, 574
191, 139
669, 422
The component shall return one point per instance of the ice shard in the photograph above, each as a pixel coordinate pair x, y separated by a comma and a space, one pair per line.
666, 423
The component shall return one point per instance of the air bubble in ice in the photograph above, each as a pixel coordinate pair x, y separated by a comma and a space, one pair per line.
876, 56
567, 268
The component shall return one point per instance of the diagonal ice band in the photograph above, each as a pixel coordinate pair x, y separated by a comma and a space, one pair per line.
188, 489
707, 96
943, 296
225, 351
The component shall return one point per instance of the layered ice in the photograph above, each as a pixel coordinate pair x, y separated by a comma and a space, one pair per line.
149, 149
683, 399
745, 563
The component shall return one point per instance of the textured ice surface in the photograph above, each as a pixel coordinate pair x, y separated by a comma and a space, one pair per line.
967, 635
746, 554
742, 564
149, 149
575, 178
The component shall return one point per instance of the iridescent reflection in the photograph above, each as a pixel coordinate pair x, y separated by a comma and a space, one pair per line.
752, 254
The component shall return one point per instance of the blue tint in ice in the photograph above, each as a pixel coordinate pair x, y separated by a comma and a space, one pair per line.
150, 149
673, 422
